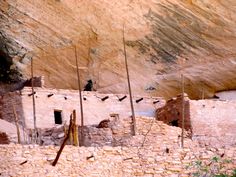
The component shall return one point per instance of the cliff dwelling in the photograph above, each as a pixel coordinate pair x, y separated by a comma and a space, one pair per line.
117, 88
207, 121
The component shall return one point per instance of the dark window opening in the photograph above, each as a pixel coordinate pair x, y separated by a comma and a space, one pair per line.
57, 117
174, 123
89, 86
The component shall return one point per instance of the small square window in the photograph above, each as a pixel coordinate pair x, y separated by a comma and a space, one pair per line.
58, 117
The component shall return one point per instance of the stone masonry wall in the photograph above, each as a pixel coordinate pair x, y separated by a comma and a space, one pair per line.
214, 121
172, 112
149, 131
95, 110
154, 151
6, 107
20, 161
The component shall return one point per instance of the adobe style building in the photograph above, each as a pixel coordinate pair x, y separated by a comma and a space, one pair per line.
209, 121
54, 106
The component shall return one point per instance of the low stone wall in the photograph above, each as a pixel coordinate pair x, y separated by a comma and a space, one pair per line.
154, 151
19, 161
118, 133
149, 131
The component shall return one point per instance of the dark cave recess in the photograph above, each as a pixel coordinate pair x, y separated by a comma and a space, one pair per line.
8, 73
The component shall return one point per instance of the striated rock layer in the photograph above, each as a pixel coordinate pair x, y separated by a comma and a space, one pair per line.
163, 38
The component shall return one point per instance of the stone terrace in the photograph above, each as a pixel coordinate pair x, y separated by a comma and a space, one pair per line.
154, 151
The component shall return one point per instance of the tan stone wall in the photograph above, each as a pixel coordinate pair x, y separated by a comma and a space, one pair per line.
106, 161
95, 110
149, 131
214, 121
210, 121
154, 151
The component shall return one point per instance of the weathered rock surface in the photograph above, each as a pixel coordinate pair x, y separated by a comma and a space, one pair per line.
161, 36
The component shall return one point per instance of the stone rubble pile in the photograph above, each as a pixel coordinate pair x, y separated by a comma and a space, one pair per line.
149, 131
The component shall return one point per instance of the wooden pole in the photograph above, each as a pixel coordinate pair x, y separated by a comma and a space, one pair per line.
63, 144
183, 103
75, 130
64, 129
81, 100
71, 132
17, 125
183, 111
129, 85
33, 99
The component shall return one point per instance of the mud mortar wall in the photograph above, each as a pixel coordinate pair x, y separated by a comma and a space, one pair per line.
95, 110
214, 121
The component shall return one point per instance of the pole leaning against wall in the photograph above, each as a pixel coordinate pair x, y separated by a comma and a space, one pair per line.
80, 98
129, 85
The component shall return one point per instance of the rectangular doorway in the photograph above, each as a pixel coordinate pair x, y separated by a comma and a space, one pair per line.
58, 117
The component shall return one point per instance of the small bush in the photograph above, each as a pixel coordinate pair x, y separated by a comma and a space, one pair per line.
215, 168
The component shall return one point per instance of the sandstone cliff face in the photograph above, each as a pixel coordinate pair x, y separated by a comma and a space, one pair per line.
163, 38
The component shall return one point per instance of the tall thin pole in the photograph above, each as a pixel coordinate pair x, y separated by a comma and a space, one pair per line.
80, 99
129, 85
33, 99
17, 123
183, 111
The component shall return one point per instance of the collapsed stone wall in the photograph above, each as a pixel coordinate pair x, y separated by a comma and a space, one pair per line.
97, 107
172, 112
119, 133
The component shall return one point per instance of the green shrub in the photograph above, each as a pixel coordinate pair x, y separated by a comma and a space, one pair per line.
214, 168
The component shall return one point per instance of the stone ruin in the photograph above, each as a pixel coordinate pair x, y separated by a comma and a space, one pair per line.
54, 106
209, 122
